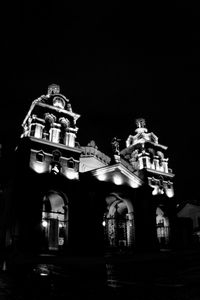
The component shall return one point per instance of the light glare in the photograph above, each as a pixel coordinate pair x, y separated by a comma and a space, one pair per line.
104, 223
44, 223
133, 184
170, 193
38, 167
101, 177
117, 179
71, 174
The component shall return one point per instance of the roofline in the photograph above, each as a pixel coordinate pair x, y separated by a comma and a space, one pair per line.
160, 173
38, 102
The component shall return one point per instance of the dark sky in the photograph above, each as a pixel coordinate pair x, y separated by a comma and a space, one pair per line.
115, 62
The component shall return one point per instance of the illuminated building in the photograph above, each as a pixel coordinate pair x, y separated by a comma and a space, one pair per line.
68, 197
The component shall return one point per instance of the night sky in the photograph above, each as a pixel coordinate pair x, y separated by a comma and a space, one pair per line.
115, 62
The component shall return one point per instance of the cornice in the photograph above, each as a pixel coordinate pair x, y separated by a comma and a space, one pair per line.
57, 145
159, 172
75, 116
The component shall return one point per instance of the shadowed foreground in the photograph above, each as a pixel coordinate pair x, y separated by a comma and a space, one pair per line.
163, 276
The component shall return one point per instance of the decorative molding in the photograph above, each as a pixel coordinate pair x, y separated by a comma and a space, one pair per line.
122, 169
58, 145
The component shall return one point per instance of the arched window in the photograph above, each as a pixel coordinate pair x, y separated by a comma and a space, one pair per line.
40, 156
71, 163
56, 155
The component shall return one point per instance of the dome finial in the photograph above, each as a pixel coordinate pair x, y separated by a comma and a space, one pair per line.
53, 89
141, 125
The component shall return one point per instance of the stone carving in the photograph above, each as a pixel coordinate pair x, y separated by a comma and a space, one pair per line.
134, 155
64, 122
49, 118
92, 144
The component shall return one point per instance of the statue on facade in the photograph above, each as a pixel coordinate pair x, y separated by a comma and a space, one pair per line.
115, 146
92, 144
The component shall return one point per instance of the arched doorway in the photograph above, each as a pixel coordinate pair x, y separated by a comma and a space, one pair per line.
55, 214
119, 222
163, 228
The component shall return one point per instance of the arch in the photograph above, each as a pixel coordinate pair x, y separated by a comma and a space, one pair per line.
62, 194
163, 228
55, 220
40, 156
119, 222
114, 196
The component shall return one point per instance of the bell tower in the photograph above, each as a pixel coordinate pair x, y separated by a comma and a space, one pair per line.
148, 159
46, 179
50, 125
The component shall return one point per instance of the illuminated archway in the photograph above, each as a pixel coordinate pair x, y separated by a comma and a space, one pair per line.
55, 214
163, 228
119, 222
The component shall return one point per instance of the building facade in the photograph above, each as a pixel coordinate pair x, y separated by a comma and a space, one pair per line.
188, 224
68, 197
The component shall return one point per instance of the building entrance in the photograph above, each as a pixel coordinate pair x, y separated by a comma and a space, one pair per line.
55, 221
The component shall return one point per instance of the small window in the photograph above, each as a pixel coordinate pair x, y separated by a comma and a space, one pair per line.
169, 185
71, 163
40, 156
56, 155
144, 162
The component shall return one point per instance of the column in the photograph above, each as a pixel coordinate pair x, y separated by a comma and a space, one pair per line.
54, 134
69, 139
37, 130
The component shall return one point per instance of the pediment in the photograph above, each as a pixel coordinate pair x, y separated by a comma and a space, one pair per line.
118, 174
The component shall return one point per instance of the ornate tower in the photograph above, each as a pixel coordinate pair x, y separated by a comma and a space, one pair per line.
148, 160
50, 125
145, 153
125, 201
47, 175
